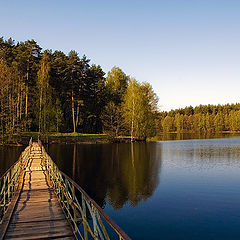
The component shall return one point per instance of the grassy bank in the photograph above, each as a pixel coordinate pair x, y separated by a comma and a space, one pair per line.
67, 137
71, 138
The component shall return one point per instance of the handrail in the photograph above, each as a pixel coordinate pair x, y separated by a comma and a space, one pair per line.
30, 141
85, 215
40, 142
10, 181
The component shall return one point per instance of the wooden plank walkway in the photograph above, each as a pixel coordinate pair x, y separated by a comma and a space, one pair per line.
38, 214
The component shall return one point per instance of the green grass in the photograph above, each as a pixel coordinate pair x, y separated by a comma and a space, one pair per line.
124, 137
28, 134
58, 135
79, 135
153, 139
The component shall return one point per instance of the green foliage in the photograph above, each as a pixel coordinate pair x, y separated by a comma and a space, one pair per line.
47, 110
116, 84
168, 123
139, 107
10, 115
209, 118
54, 92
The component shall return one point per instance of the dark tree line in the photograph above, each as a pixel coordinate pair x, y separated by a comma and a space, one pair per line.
46, 91
72, 91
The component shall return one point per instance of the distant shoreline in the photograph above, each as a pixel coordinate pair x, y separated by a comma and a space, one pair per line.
66, 138
82, 138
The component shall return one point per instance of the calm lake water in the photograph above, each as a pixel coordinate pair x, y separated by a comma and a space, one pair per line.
8, 155
164, 190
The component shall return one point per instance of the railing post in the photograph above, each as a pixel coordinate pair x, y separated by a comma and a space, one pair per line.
30, 144
1, 215
74, 208
94, 221
84, 216
66, 186
9, 180
4, 194
61, 189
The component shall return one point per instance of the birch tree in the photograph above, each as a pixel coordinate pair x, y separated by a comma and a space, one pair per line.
139, 107
116, 84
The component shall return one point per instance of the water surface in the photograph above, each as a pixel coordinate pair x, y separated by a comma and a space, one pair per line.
8, 155
164, 190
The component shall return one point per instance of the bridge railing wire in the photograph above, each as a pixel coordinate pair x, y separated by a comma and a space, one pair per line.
88, 219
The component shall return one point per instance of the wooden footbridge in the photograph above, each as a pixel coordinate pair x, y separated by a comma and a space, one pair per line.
38, 201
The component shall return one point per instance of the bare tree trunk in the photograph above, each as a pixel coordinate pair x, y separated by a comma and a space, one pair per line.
133, 112
20, 108
116, 132
40, 112
26, 105
26, 108
45, 108
18, 99
57, 128
77, 118
73, 114
26, 100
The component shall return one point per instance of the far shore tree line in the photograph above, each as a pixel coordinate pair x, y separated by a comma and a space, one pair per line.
203, 118
46, 91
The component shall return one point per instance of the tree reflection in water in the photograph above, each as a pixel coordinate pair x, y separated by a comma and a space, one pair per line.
116, 173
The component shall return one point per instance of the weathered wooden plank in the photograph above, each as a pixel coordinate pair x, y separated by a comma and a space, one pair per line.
61, 226
50, 209
39, 224
60, 218
30, 197
48, 191
39, 236
35, 186
41, 202
64, 230
37, 200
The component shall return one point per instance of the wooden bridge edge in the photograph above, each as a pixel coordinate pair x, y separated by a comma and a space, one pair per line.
7, 217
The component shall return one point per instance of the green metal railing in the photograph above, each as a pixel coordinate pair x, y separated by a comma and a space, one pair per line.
87, 218
11, 181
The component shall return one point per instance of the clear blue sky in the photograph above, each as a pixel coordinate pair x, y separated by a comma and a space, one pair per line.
188, 50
